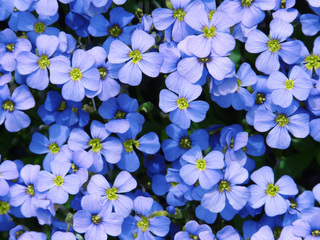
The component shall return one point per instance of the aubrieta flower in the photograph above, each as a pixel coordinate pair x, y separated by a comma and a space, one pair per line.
10, 46
123, 183
36, 67
5, 209
63, 236
310, 62
63, 112
183, 109
192, 67
173, 20
192, 231
237, 95
227, 189
46, 8
58, 184
296, 205
80, 161
297, 85
26, 194
148, 143
34, 28
96, 220
205, 169
137, 60
266, 233
272, 195
121, 111
274, 47
108, 72
76, 79
8, 171
316, 192
5, 76
282, 122
144, 223
285, 11
178, 192
214, 33
314, 3
19, 233
310, 22
11, 106
227, 233
261, 97
116, 28
233, 139
180, 141
40, 144
248, 12
100, 143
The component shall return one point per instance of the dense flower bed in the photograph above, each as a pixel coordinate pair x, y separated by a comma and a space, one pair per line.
221, 145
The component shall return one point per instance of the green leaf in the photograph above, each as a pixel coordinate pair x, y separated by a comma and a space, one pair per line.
296, 163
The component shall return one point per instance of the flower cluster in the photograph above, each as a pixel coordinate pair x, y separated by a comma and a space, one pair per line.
107, 164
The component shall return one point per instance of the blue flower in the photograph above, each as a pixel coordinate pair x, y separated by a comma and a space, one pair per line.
183, 108
214, 33
310, 62
227, 189
316, 192
11, 106
26, 194
58, 184
181, 141
96, 220
273, 47
285, 119
227, 233
310, 22
108, 72
272, 195
179, 193
40, 144
78, 78
10, 46
121, 111
136, 59
248, 12
148, 143
5, 76
205, 169
192, 66
314, 3
116, 28
266, 233
63, 112
233, 139
192, 231
143, 224
63, 236
100, 143
173, 20
297, 85
48, 7
5, 218
80, 161
261, 97
123, 183
8, 171
36, 67
296, 205
28, 23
